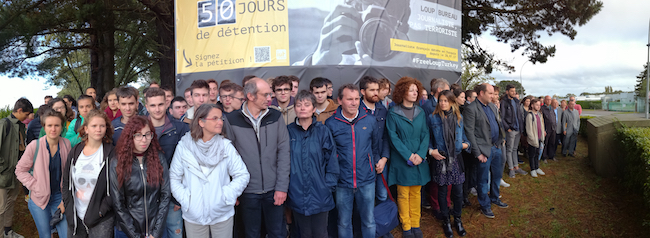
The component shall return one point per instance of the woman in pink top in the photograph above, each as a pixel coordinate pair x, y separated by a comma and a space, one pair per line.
42, 174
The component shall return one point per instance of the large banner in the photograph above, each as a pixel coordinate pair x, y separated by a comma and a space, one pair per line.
342, 40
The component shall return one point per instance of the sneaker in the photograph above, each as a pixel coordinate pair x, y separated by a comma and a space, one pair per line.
500, 204
504, 184
473, 191
540, 172
487, 212
511, 173
545, 161
533, 173
520, 171
12, 234
520, 161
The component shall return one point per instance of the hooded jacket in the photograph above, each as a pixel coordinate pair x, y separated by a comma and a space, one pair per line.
357, 148
207, 195
140, 207
328, 112
9, 149
118, 126
71, 134
264, 147
407, 137
38, 183
100, 207
288, 113
314, 168
531, 129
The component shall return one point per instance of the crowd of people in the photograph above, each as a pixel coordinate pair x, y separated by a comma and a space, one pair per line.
265, 159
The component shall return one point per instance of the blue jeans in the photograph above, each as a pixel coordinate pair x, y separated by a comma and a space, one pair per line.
380, 190
258, 208
485, 182
121, 234
364, 198
42, 217
174, 223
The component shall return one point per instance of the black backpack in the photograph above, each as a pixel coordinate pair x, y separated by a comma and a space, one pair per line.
523, 131
7, 127
77, 124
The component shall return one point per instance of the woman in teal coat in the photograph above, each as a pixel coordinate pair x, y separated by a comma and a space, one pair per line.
409, 140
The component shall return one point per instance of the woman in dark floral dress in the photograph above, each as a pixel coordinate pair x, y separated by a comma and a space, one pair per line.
447, 143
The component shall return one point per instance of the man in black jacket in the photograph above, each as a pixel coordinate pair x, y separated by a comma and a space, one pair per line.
511, 124
550, 125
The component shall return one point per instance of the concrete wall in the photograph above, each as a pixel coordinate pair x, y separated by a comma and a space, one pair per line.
603, 149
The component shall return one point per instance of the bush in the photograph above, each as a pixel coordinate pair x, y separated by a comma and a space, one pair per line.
583, 125
5, 112
635, 147
590, 104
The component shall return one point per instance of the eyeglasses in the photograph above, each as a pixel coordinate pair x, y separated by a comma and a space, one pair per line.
214, 118
231, 97
282, 90
266, 95
58, 109
138, 136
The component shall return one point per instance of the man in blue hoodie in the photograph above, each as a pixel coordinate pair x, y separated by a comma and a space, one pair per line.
169, 132
357, 146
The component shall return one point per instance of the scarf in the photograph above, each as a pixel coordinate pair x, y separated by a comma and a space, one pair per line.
209, 153
449, 135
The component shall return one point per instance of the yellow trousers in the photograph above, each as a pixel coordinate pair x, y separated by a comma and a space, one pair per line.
408, 206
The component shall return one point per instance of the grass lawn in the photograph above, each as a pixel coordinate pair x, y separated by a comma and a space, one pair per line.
569, 201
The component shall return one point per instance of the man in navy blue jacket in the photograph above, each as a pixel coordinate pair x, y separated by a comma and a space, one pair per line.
357, 147
369, 87
169, 132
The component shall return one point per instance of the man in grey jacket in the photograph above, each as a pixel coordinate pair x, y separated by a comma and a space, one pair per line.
261, 138
558, 128
486, 135
570, 126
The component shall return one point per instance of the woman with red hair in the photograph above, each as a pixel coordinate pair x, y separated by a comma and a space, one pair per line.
140, 182
407, 129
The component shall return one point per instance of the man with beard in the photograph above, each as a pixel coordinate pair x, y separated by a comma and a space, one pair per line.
370, 104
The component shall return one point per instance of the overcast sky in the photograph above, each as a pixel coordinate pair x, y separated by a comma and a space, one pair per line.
610, 50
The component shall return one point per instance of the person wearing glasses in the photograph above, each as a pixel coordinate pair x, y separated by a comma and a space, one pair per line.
283, 100
169, 132
139, 182
231, 96
207, 175
262, 139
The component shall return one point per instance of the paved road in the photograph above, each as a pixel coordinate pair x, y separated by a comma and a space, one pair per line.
597, 113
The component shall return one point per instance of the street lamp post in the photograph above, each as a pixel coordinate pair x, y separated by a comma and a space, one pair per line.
647, 85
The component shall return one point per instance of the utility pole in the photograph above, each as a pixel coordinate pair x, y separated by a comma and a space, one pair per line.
647, 84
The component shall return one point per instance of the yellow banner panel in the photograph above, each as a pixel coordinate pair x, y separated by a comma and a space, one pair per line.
216, 35
431, 51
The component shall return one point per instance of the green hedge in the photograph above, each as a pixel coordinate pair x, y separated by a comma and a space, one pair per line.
583, 125
635, 148
4, 112
590, 104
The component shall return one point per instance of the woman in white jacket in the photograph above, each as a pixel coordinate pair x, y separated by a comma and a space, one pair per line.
207, 175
